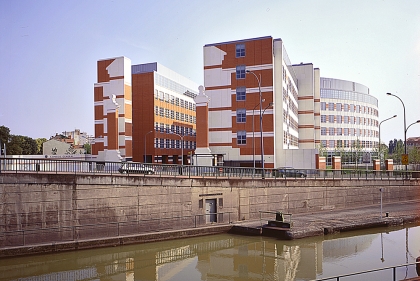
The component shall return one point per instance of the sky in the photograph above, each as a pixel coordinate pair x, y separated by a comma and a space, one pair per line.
49, 50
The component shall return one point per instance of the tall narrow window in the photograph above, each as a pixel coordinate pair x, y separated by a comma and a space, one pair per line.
241, 137
241, 94
240, 72
241, 115
240, 50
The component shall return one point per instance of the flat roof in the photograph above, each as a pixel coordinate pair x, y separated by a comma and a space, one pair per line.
239, 41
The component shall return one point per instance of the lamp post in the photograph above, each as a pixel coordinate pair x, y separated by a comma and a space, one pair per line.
145, 160
253, 134
182, 146
405, 126
379, 148
261, 129
418, 121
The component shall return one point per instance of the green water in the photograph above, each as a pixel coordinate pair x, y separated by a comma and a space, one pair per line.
230, 257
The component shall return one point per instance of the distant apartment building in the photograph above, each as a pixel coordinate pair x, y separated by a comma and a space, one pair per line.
143, 112
293, 98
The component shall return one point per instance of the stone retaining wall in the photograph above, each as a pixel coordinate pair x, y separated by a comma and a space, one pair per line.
50, 208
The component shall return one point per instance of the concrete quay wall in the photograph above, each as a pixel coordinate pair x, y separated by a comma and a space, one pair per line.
57, 208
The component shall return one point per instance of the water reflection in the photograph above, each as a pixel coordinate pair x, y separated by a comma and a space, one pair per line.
228, 257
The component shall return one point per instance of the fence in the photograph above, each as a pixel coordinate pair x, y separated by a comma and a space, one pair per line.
53, 235
20, 165
397, 273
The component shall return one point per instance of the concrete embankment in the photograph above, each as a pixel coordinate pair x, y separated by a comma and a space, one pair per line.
333, 221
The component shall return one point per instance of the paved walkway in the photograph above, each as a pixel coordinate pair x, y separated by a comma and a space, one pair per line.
326, 222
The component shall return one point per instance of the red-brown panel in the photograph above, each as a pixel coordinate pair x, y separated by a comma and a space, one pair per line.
143, 113
103, 75
258, 51
99, 130
202, 126
98, 94
112, 134
99, 112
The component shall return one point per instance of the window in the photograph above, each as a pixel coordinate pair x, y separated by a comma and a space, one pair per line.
323, 118
161, 143
323, 143
240, 72
323, 131
339, 131
331, 118
240, 50
240, 93
241, 115
339, 119
331, 131
346, 119
331, 106
161, 111
241, 137
346, 131
331, 143
323, 106
346, 107
339, 106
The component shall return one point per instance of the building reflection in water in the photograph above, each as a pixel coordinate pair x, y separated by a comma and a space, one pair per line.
219, 257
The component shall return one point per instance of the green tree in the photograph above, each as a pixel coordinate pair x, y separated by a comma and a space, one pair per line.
4, 135
414, 155
39, 143
322, 150
22, 145
88, 148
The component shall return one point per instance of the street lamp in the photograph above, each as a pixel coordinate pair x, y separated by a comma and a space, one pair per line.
253, 134
261, 129
405, 126
182, 146
145, 160
379, 148
418, 121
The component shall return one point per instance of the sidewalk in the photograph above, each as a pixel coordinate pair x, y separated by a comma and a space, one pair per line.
327, 222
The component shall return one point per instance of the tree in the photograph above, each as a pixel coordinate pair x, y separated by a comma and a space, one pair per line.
4, 135
22, 145
322, 150
88, 148
414, 155
39, 143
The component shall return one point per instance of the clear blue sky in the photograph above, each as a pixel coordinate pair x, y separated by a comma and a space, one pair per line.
49, 49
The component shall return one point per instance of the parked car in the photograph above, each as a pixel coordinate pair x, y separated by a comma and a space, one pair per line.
136, 168
289, 172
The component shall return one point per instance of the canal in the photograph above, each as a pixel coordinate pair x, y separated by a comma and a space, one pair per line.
231, 257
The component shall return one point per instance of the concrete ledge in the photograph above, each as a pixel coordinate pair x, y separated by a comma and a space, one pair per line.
113, 241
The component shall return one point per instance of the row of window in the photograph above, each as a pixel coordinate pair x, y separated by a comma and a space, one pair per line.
174, 115
290, 139
173, 86
348, 132
159, 95
166, 128
344, 95
349, 120
174, 144
347, 144
349, 108
289, 120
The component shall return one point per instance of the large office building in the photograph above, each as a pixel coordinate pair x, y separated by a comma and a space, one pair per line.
289, 124
143, 112
349, 115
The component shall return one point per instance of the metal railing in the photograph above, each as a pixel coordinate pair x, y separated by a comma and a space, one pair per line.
56, 166
393, 268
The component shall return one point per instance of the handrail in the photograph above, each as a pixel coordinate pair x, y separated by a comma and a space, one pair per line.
67, 166
337, 277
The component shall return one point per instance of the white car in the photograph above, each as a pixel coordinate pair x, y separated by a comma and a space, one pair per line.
136, 168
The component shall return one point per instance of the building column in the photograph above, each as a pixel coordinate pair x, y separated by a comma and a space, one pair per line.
203, 156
